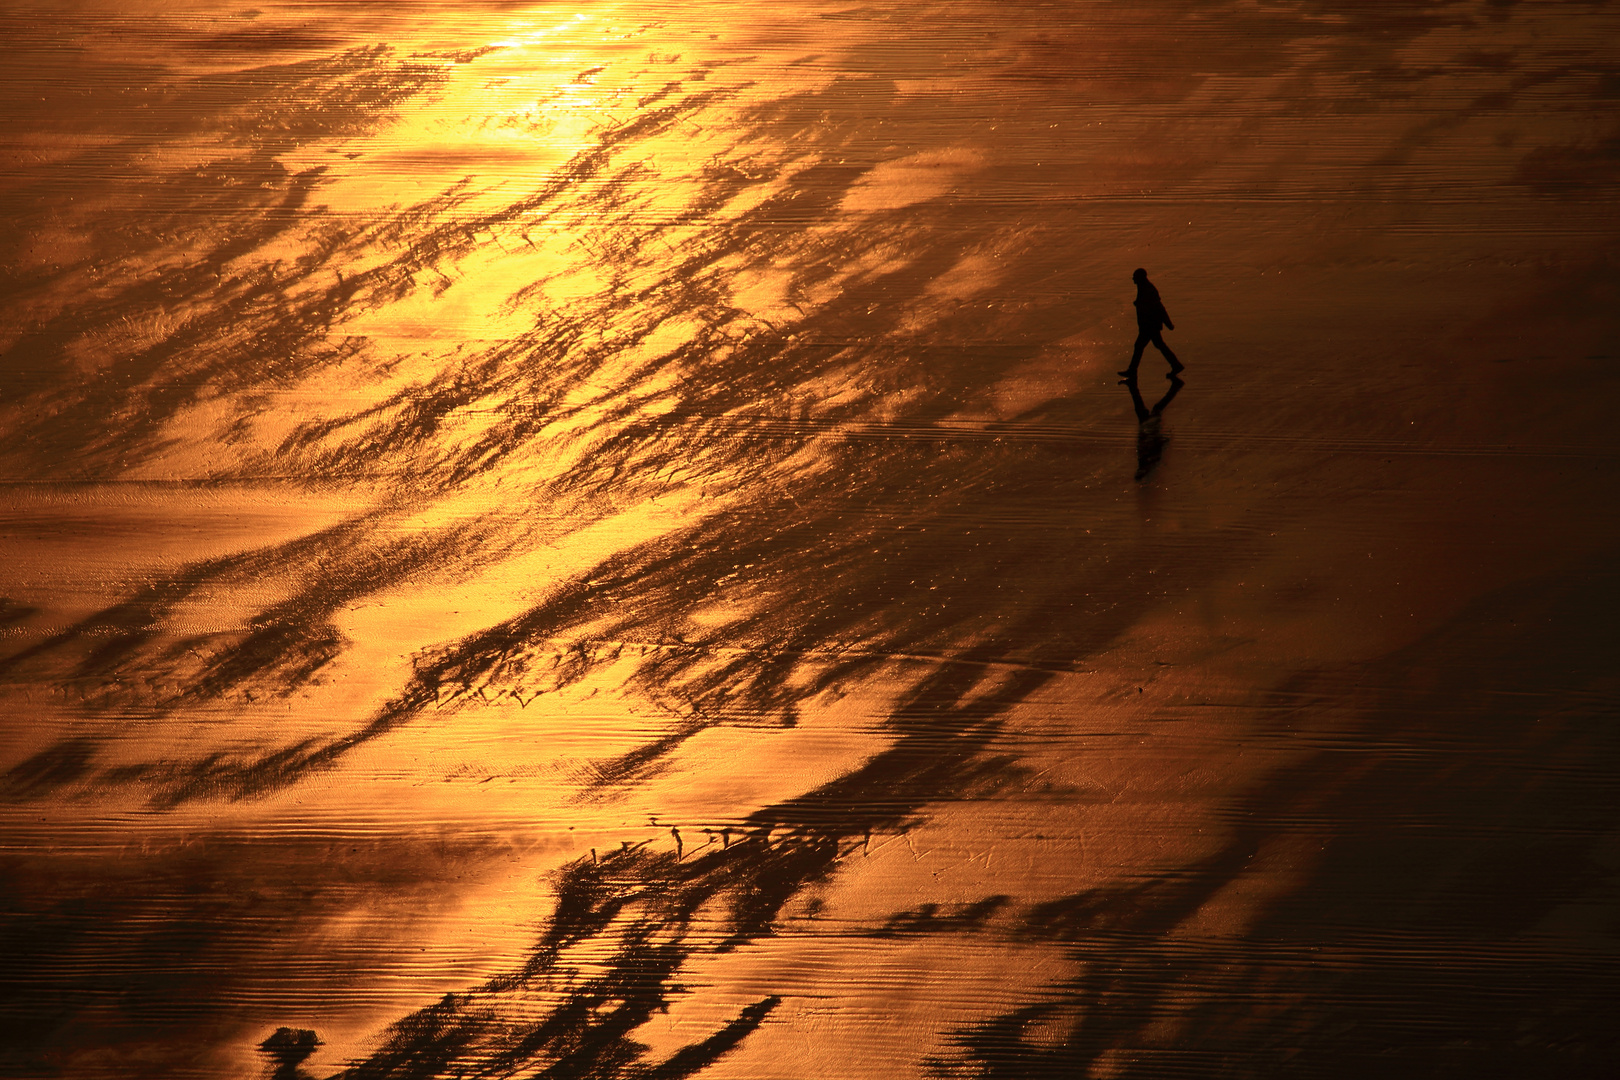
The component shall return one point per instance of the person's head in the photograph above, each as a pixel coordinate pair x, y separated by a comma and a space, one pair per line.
1139, 276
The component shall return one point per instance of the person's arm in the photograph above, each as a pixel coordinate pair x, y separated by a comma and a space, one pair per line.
1164, 312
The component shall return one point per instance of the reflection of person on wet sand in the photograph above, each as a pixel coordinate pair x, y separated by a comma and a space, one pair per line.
1151, 320
1150, 437
287, 1048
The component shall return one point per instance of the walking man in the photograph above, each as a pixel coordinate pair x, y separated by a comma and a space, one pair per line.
1150, 317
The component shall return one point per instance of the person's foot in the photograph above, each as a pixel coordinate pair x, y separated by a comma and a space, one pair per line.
1175, 372
1129, 373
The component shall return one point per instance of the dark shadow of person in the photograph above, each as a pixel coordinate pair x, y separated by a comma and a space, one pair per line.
287, 1049
1151, 321
1150, 437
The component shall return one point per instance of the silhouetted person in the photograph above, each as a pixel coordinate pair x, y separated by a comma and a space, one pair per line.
1150, 437
1151, 321
288, 1047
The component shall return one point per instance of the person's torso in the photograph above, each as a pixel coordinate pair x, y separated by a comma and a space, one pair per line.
1149, 309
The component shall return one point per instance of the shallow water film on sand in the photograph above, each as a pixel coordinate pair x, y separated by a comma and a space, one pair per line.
607, 540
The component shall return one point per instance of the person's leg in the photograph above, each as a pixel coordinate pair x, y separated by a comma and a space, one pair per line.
1158, 342
1142, 339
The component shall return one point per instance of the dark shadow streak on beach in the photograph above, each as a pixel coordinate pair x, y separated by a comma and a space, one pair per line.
1457, 798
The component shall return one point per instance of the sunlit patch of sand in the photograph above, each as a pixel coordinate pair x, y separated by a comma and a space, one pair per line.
74, 548
471, 306
909, 180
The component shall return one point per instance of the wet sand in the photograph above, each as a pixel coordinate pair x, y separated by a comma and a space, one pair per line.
608, 541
